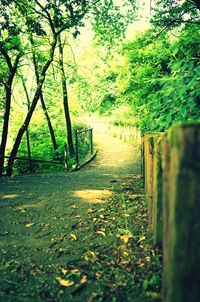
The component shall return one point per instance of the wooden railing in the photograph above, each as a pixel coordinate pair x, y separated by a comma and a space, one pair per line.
172, 186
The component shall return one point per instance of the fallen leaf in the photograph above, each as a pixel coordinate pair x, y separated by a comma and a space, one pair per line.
125, 238
75, 270
98, 275
90, 210
126, 215
64, 271
84, 279
90, 255
141, 239
65, 283
28, 225
101, 210
101, 233
22, 210
94, 219
73, 237
101, 216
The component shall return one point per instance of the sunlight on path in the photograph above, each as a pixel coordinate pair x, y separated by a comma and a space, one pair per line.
114, 154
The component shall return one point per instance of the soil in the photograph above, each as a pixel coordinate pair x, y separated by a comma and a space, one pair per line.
79, 236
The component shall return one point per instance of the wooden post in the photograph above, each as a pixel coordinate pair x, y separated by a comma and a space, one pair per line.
91, 141
65, 157
157, 215
148, 171
76, 144
142, 158
181, 163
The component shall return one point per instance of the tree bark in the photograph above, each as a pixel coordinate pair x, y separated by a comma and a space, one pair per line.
31, 110
8, 88
65, 99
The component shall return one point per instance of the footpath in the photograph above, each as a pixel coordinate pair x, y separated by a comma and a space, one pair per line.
80, 236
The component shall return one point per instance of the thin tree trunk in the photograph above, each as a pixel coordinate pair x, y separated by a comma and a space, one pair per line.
8, 88
65, 99
31, 110
53, 138
31, 167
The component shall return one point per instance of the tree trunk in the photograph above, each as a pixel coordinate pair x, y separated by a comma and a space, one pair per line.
31, 167
31, 110
65, 99
8, 87
53, 138
5, 123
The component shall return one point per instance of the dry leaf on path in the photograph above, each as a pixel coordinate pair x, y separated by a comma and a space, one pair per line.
73, 237
28, 225
64, 271
90, 255
125, 238
65, 283
141, 239
101, 233
84, 279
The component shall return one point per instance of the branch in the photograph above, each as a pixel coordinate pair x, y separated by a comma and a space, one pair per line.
48, 17
8, 60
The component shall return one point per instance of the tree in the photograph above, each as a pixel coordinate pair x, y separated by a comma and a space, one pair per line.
49, 19
65, 98
169, 14
57, 21
35, 63
11, 50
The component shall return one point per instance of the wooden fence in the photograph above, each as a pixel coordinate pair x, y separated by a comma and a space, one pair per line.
171, 172
126, 133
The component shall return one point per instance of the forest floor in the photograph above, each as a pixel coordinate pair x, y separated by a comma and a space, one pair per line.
81, 236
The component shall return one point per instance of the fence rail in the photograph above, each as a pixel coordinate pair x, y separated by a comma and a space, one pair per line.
81, 140
35, 160
84, 140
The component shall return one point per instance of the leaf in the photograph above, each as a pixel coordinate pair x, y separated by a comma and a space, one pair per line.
65, 283
75, 270
141, 239
101, 233
22, 210
90, 210
64, 271
90, 255
73, 237
98, 275
125, 238
84, 279
28, 225
101, 216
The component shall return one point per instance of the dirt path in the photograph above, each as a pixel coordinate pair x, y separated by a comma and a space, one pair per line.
60, 234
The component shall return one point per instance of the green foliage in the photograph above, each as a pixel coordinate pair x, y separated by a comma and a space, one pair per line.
170, 14
157, 82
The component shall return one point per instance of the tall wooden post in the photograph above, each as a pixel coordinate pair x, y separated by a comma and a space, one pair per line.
181, 163
148, 171
157, 214
76, 143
